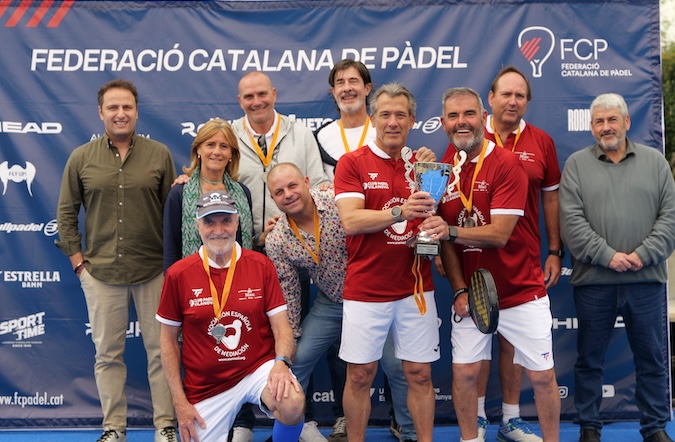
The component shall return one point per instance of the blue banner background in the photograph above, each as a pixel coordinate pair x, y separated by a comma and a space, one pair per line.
48, 107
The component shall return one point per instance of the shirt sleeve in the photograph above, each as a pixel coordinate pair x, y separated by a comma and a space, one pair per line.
70, 201
172, 232
288, 278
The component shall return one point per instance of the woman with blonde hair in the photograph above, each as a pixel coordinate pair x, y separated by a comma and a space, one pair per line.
214, 165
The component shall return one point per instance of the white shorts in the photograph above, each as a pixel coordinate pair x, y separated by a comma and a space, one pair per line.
527, 327
220, 410
365, 326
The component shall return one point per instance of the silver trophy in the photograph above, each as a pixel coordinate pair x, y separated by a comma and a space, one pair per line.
434, 178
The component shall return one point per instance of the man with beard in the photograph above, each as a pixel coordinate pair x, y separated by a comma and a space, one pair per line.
237, 341
384, 290
617, 211
485, 219
508, 97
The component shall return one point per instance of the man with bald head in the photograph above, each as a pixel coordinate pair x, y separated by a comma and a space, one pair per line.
308, 235
267, 138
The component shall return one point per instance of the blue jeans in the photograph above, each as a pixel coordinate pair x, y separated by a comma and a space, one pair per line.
321, 328
644, 312
399, 389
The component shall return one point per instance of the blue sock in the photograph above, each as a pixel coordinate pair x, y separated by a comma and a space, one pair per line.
286, 433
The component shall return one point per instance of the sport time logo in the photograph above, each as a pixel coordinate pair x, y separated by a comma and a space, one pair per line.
57, 11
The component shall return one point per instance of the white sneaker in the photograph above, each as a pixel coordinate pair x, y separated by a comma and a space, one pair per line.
311, 433
166, 434
242, 434
517, 430
112, 436
339, 433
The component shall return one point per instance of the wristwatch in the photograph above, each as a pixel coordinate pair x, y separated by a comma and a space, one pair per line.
285, 359
397, 213
559, 253
452, 232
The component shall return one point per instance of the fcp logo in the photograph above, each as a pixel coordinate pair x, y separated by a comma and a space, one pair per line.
536, 43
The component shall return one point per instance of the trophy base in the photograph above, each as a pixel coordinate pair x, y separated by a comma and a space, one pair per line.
427, 248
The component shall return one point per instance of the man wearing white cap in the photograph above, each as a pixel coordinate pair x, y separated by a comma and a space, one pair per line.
237, 341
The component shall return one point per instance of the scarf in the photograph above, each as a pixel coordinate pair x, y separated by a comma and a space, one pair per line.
191, 192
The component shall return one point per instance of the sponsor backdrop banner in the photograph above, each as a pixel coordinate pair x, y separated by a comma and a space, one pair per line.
186, 59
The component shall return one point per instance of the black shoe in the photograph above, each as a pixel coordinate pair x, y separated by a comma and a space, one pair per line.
589, 435
659, 436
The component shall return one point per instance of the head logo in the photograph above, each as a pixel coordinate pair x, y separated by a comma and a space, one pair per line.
536, 43
17, 174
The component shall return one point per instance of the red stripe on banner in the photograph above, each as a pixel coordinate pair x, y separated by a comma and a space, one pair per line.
4, 4
531, 48
60, 13
39, 14
18, 14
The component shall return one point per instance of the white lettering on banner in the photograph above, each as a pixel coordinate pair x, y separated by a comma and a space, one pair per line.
24, 327
133, 330
583, 49
440, 396
30, 279
578, 120
35, 400
443, 57
18, 127
266, 60
30, 227
573, 323
323, 396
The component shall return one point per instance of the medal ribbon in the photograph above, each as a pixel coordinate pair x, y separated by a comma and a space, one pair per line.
468, 203
219, 304
498, 138
418, 292
344, 136
266, 160
317, 235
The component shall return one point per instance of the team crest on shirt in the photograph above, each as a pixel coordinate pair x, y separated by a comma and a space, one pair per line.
527, 157
397, 233
372, 184
250, 294
228, 333
198, 300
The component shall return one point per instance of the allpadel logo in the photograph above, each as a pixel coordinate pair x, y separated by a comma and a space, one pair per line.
23, 14
536, 43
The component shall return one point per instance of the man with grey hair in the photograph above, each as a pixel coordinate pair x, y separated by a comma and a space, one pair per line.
617, 212
237, 341
484, 218
383, 288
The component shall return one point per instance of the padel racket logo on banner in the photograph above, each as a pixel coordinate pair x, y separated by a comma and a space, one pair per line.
536, 43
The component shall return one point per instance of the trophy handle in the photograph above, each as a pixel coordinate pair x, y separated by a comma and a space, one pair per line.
460, 159
406, 154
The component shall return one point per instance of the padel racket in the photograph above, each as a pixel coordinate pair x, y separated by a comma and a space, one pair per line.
483, 301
